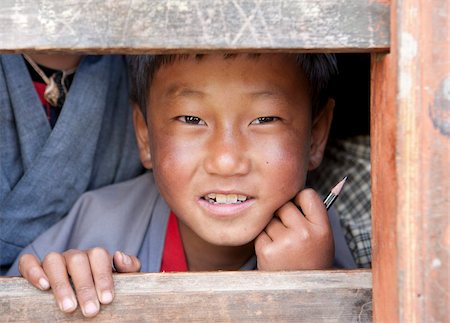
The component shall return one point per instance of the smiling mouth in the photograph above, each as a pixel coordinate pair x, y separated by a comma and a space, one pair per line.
217, 198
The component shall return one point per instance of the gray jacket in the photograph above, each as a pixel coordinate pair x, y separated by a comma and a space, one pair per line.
132, 217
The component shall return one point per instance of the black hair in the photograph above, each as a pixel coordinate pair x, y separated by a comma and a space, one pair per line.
320, 71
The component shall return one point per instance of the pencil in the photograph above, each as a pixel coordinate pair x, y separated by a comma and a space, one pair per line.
334, 193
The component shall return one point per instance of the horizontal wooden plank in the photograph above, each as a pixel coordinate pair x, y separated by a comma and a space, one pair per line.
135, 26
312, 296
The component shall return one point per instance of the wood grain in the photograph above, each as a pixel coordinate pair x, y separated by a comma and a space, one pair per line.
423, 159
410, 163
135, 26
384, 187
313, 296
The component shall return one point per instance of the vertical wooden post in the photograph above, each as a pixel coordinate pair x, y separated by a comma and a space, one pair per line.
384, 188
423, 138
411, 166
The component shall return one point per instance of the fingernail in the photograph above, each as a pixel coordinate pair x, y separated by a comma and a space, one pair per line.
107, 297
67, 305
126, 259
90, 308
43, 283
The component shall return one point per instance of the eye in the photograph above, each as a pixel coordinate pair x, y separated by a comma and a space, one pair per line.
261, 120
191, 120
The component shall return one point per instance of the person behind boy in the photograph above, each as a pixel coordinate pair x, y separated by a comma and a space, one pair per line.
65, 128
229, 140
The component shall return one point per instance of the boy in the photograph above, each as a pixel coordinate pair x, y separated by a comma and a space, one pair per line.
65, 128
229, 140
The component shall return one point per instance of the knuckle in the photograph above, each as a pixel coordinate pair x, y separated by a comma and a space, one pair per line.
97, 252
60, 287
33, 272
71, 252
265, 252
85, 292
308, 191
304, 235
52, 257
103, 279
76, 258
23, 263
289, 244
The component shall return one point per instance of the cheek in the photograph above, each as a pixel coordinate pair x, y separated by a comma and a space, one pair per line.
291, 149
286, 160
175, 161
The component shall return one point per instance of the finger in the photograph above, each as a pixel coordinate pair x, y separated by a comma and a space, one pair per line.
263, 251
290, 215
312, 206
261, 241
101, 266
79, 268
125, 263
55, 267
30, 268
275, 228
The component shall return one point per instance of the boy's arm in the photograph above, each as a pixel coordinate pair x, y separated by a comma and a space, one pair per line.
295, 239
90, 272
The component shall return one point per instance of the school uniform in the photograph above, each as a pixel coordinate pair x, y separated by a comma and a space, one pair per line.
132, 217
44, 170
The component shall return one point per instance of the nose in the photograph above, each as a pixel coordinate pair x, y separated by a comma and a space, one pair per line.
227, 154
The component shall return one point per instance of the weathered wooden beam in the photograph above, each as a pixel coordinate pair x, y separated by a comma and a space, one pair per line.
135, 26
313, 296
410, 160
423, 159
384, 123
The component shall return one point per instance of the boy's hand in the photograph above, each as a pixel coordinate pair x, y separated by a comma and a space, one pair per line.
294, 240
90, 271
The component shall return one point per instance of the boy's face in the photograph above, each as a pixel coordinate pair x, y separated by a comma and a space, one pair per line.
229, 141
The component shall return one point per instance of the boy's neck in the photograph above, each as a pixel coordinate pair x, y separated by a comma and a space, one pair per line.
202, 256
57, 61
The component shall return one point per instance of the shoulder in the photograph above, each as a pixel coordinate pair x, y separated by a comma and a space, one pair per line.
116, 204
115, 217
135, 193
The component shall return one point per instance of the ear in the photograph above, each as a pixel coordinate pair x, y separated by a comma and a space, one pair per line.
141, 131
319, 134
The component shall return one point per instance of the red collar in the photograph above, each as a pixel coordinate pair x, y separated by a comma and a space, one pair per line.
173, 259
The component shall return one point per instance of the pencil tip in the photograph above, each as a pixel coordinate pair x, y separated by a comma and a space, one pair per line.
338, 188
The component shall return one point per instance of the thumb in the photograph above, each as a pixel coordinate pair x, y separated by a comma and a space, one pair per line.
125, 263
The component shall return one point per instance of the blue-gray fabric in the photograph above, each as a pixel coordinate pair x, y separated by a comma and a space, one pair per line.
131, 217
44, 171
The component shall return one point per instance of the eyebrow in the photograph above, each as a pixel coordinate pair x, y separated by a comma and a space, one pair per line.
264, 93
181, 90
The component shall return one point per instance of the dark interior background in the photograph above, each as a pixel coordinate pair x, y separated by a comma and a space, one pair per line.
352, 93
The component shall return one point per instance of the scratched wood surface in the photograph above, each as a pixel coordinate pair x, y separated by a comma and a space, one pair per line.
384, 188
411, 172
423, 159
163, 25
213, 297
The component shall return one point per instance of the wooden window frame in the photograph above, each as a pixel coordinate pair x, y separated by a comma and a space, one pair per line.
410, 130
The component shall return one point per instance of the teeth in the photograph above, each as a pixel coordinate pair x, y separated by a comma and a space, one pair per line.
217, 198
232, 198
221, 198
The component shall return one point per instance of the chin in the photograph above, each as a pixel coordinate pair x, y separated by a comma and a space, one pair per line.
229, 241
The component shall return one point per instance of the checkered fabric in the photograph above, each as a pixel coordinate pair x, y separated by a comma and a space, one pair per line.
349, 157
